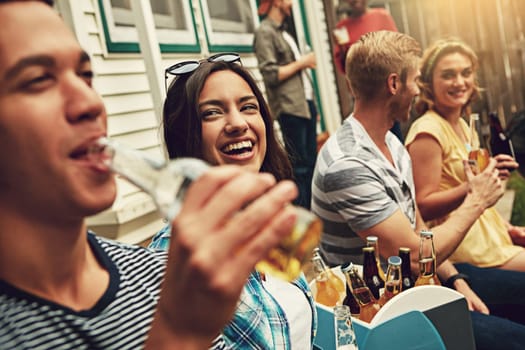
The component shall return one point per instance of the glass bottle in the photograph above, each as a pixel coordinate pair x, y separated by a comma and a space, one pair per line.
478, 153
367, 303
393, 283
167, 183
370, 272
334, 279
349, 299
344, 330
406, 270
499, 142
373, 241
427, 260
326, 292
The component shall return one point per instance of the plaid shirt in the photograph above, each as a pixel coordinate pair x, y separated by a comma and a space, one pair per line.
259, 322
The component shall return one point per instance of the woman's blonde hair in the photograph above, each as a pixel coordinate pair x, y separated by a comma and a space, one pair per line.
431, 57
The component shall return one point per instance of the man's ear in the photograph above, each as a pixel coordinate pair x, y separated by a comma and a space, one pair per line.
393, 83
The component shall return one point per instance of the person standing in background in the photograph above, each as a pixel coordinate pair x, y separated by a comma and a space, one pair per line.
361, 20
289, 90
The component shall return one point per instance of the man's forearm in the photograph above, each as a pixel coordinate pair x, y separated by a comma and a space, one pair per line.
455, 228
290, 69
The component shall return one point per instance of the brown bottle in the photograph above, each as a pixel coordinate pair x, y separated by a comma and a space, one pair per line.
370, 272
349, 299
368, 304
393, 283
427, 260
406, 271
373, 241
499, 142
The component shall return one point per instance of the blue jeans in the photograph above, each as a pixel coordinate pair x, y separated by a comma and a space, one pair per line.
300, 140
493, 333
503, 291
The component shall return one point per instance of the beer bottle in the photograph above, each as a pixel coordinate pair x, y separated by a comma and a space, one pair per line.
406, 270
499, 143
326, 292
478, 154
349, 299
373, 241
370, 272
367, 303
427, 260
393, 283
335, 280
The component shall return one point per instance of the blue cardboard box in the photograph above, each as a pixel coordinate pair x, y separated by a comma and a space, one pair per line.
425, 317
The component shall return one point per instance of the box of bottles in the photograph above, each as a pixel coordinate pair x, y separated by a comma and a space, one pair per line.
424, 317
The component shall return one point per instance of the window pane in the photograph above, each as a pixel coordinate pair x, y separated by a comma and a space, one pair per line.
122, 13
121, 3
167, 14
231, 16
173, 23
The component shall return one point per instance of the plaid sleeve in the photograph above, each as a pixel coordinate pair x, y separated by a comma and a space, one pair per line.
161, 240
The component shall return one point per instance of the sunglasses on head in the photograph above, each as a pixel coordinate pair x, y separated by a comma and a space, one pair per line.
187, 67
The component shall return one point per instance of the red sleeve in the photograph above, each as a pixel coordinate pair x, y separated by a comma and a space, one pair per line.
340, 56
340, 51
389, 22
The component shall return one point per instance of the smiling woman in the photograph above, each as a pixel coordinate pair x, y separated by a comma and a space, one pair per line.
220, 116
439, 141
216, 112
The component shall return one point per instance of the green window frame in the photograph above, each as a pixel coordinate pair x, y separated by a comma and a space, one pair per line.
229, 24
175, 34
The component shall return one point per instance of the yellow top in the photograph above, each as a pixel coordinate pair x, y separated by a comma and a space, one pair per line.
488, 243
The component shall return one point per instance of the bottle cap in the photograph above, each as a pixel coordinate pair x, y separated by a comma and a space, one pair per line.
404, 250
347, 267
394, 260
426, 233
371, 239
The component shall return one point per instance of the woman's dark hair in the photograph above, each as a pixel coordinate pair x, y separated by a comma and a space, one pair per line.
183, 126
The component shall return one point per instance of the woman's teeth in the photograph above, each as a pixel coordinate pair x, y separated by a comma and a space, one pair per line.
235, 147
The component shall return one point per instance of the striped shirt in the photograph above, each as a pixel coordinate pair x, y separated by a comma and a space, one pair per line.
355, 187
120, 320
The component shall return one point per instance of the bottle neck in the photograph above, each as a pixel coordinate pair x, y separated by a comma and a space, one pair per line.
370, 264
166, 183
134, 167
427, 256
405, 263
319, 268
393, 273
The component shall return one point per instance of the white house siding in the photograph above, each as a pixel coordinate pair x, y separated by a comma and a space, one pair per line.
325, 74
121, 79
